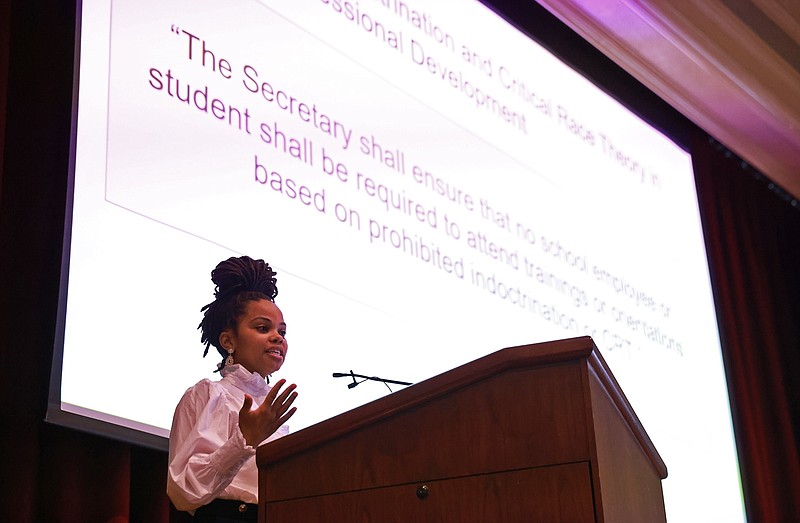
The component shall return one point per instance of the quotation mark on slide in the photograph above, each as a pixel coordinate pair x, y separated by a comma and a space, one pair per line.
175, 29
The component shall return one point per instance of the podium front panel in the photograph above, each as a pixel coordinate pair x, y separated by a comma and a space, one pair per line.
543, 495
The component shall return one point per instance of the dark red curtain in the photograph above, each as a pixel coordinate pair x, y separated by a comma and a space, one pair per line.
752, 234
48, 473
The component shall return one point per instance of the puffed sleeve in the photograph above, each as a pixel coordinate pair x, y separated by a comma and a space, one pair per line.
206, 447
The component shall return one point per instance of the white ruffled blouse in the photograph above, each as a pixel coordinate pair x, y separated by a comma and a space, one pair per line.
208, 455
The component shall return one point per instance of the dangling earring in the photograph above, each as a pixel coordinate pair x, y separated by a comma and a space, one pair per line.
229, 359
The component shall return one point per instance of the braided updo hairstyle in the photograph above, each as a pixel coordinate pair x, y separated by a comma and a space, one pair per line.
237, 281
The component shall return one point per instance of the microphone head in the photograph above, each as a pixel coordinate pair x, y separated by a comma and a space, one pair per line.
351, 385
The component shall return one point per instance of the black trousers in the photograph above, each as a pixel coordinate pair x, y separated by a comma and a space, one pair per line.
226, 511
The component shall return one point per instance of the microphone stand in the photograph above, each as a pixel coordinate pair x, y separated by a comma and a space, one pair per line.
351, 374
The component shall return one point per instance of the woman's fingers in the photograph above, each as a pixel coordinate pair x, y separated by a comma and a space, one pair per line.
281, 401
283, 419
248, 402
260, 423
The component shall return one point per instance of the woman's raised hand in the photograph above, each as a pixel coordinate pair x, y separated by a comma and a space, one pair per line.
260, 423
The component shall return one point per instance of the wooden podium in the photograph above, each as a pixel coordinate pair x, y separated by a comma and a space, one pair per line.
533, 433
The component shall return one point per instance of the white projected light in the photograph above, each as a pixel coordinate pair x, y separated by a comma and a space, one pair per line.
430, 186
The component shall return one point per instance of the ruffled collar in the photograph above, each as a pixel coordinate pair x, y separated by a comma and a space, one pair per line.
250, 382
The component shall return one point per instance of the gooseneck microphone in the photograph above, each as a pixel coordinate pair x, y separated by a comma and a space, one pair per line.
351, 374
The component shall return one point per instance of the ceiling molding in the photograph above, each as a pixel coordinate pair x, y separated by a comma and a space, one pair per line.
785, 15
736, 79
